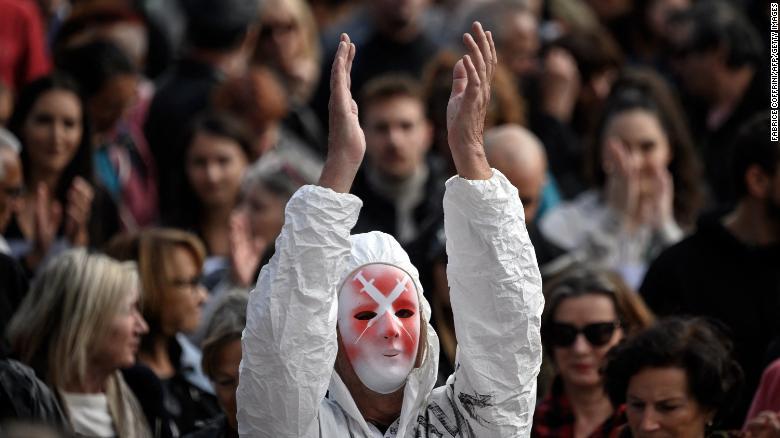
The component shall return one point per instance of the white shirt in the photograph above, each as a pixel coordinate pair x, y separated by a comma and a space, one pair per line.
89, 414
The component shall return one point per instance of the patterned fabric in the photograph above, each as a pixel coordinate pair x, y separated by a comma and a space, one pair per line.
554, 418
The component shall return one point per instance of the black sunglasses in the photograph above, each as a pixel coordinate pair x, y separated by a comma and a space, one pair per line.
597, 334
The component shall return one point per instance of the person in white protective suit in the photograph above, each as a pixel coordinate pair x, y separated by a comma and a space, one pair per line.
337, 341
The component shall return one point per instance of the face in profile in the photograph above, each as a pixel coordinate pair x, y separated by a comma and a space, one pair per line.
379, 322
119, 346
659, 404
52, 130
397, 136
184, 297
215, 166
583, 330
225, 378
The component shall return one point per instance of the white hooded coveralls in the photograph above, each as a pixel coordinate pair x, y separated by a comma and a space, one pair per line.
289, 344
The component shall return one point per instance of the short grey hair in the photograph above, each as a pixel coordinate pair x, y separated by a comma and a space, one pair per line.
225, 325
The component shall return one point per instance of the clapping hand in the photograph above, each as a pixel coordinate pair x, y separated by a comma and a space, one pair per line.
78, 211
346, 141
471, 80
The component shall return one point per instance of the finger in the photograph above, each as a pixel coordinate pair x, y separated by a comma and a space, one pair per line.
476, 55
337, 70
350, 59
459, 78
83, 188
493, 53
473, 77
484, 49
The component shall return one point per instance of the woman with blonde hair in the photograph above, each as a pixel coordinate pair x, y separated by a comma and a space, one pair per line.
170, 265
78, 325
288, 42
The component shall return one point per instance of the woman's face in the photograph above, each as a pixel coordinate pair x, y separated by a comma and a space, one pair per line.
215, 166
225, 379
119, 346
266, 213
578, 363
642, 134
281, 35
52, 130
184, 296
659, 404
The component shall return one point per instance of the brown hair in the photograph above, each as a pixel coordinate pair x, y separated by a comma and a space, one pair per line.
151, 250
387, 87
257, 98
646, 90
578, 281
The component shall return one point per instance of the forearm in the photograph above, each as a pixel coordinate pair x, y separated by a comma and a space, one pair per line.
470, 160
289, 344
495, 288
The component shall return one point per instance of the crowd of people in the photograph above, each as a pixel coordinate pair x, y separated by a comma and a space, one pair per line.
384, 218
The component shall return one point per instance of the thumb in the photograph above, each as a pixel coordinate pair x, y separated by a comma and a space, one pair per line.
459, 78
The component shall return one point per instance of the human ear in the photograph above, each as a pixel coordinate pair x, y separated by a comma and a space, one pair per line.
757, 182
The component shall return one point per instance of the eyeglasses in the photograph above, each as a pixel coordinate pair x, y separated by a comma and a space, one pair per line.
597, 334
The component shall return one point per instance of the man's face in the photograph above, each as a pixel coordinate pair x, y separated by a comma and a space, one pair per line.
379, 323
397, 14
10, 186
397, 136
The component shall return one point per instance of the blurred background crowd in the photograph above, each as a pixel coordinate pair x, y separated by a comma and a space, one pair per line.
148, 149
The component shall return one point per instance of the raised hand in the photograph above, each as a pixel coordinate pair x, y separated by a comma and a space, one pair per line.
346, 141
657, 203
471, 80
47, 215
78, 211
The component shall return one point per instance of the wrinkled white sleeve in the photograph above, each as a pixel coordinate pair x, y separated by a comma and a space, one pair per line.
289, 343
496, 294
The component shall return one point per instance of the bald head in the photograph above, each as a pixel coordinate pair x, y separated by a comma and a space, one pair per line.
519, 154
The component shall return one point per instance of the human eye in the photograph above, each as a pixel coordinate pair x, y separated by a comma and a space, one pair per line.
365, 316
667, 406
647, 146
404, 313
42, 118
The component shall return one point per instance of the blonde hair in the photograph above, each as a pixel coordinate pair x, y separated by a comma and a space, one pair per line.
304, 17
151, 250
70, 305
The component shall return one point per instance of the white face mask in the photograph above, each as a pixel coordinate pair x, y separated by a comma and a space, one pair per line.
380, 325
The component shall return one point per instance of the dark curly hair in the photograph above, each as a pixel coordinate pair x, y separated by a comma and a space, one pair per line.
698, 346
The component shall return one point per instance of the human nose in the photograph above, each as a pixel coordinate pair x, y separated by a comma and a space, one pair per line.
202, 294
213, 172
649, 420
581, 345
141, 326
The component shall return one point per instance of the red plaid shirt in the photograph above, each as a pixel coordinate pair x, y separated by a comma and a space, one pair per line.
554, 418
